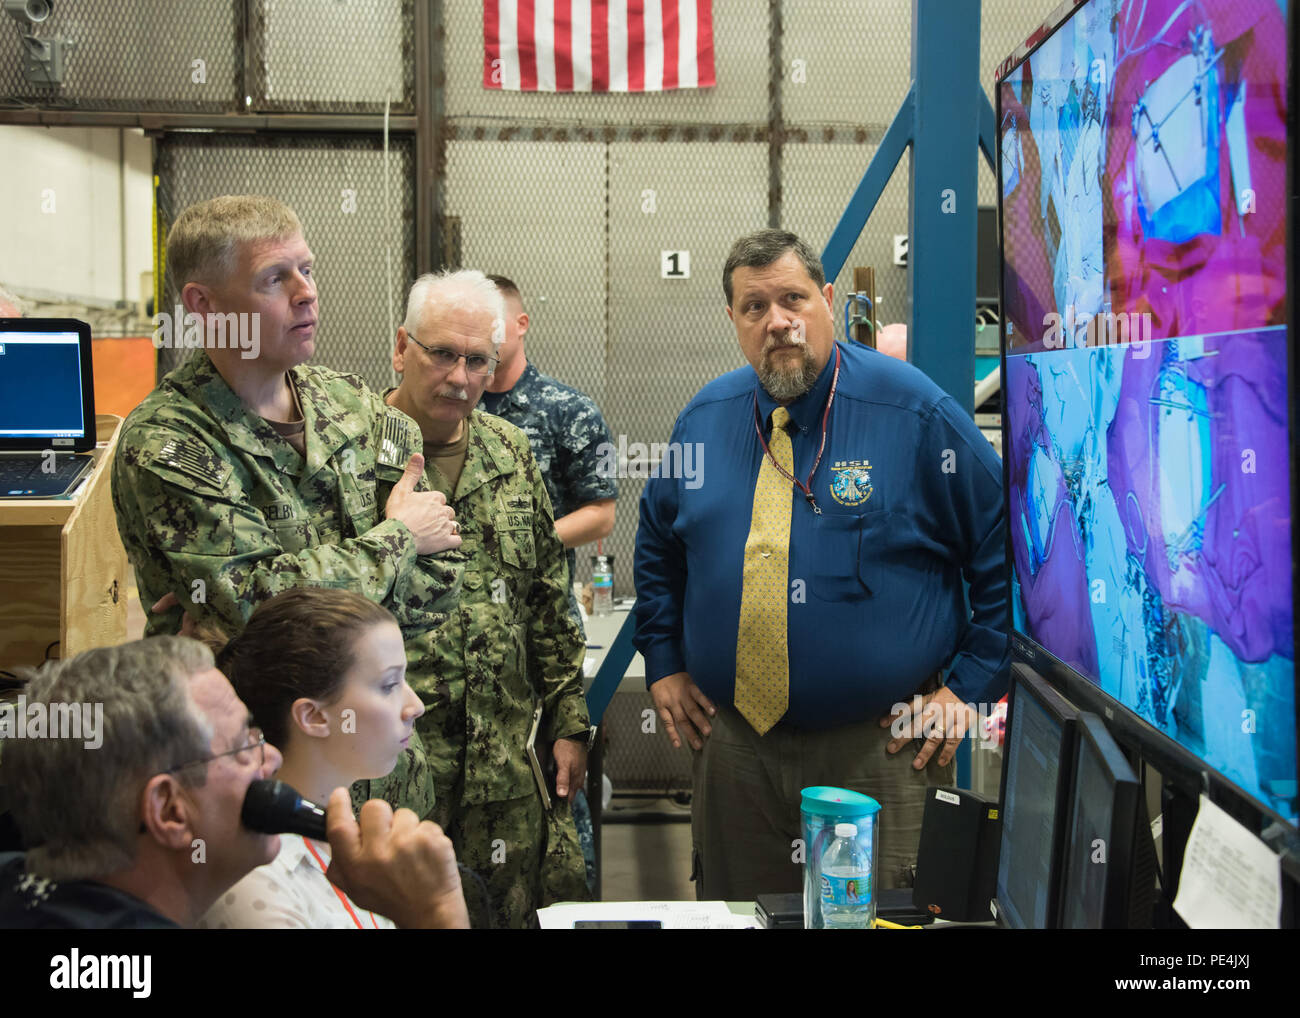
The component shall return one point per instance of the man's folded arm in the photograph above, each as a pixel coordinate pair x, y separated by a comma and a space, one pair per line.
220, 557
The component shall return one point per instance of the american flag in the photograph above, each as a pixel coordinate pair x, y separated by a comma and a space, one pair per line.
597, 45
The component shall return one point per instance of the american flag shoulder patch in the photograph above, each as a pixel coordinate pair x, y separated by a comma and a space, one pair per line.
397, 439
194, 460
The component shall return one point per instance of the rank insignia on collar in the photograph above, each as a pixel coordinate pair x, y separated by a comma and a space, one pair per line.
851, 482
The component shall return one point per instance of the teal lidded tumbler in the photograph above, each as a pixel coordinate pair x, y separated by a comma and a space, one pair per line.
821, 808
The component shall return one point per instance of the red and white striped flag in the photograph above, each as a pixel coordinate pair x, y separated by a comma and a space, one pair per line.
597, 45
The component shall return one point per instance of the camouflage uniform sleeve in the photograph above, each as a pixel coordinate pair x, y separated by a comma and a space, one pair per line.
584, 431
433, 585
190, 530
555, 644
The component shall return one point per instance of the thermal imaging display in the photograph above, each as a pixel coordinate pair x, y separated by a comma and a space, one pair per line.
1147, 440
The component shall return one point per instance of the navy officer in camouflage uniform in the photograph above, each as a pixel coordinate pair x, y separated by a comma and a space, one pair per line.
566, 431
247, 472
511, 643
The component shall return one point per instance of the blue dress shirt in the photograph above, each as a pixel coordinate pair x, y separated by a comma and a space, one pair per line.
911, 500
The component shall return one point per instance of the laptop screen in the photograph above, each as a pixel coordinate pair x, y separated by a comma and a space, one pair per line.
43, 397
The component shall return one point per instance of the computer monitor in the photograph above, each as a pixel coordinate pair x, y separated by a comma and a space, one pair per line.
47, 393
1109, 872
1148, 386
1036, 769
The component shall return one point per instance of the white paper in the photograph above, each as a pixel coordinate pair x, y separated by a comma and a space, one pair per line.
1231, 880
674, 915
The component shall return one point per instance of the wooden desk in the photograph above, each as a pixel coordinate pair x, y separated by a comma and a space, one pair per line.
63, 570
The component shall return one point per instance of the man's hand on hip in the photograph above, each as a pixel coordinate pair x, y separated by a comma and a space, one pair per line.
941, 718
425, 513
683, 708
570, 767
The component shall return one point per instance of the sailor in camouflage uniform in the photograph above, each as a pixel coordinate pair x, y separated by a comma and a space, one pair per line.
566, 431
510, 644
222, 504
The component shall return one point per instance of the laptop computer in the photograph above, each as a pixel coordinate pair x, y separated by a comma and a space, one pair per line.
47, 406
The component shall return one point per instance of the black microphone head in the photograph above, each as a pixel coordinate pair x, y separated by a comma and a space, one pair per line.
270, 807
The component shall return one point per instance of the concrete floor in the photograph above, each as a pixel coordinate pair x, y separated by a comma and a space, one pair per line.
646, 861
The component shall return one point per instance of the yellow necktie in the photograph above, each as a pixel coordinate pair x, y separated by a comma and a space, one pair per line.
762, 655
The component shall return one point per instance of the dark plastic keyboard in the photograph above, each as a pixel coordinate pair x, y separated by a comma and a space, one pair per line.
14, 471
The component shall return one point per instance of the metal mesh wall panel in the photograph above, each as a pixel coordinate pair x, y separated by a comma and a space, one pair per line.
338, 57
845, 61
740, 33
134, 56
669, 337
542, 223
816, 183
320, 177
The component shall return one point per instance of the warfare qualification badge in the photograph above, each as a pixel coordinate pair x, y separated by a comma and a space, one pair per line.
851, 482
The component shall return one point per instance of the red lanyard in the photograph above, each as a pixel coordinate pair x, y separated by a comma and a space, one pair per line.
806, 488
342, 897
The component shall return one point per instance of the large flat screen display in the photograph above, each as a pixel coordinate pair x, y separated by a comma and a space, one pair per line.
1147, 439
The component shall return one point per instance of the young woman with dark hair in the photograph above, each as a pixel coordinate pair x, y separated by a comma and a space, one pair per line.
324, 673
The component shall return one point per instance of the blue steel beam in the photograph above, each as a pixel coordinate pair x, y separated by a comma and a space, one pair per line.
869, 189
941, 249
611, 671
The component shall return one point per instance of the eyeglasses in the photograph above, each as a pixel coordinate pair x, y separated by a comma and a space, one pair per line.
445, 360
258, 742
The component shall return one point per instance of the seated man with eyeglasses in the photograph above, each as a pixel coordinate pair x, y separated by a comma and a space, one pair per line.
139, 827
510, 644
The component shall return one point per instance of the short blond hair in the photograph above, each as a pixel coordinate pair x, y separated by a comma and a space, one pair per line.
203, 244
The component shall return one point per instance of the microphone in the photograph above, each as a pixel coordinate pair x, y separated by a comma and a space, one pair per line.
272, 807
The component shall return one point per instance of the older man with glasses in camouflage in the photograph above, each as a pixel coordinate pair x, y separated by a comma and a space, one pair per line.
510, 644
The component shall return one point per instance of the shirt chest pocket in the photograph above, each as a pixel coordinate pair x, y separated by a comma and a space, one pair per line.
514, 530
841, 556
289, 523
361, 509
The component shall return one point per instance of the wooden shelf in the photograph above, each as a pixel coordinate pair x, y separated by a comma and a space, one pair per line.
63, 571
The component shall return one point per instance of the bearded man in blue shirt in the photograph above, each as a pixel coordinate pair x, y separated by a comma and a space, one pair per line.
800, 602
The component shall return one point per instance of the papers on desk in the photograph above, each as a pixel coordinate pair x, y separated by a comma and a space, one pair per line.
1231, 880
674, 915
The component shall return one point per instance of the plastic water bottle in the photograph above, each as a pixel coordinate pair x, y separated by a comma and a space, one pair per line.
847, 901
602, 587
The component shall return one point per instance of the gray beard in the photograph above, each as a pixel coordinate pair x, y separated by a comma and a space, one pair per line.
787, 386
